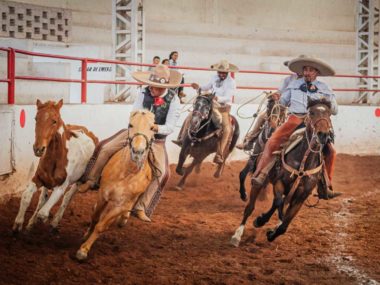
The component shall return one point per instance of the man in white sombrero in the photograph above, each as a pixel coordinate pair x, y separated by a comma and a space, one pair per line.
295, 97
253, 134
224, 87
163, 102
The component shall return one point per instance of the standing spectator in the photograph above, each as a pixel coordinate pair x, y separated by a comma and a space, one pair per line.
165, 61
156, 60
173, 56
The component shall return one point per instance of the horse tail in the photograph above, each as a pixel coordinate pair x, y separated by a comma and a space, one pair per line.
236, 133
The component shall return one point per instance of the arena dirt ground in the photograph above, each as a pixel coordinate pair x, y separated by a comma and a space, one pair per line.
188, 242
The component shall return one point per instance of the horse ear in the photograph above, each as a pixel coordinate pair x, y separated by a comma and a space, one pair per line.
59, 104
212, 95
309, 100
38, 103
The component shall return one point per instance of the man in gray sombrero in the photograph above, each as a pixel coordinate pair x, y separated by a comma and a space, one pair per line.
253, 134
224, 87
165, 105
295, 97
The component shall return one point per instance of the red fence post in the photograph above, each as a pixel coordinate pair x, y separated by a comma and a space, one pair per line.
84, 81
11, 76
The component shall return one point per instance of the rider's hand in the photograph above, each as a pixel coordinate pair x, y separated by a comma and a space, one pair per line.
195, 86
155, 128
276, 96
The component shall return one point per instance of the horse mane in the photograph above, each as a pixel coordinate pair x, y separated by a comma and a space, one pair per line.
322, 101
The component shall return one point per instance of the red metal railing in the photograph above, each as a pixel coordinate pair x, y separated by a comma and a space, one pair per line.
12, 77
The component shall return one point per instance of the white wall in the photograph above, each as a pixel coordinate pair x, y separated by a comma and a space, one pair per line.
357, 132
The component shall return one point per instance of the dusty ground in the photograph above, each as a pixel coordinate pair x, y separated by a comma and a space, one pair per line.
188, 243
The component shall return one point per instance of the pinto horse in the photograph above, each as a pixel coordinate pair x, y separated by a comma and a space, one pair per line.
294, 176
64, 152
202, 138
124, 179
275, 117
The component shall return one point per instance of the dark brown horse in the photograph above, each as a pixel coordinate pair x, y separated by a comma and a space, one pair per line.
295, 175
202, 138
275, 117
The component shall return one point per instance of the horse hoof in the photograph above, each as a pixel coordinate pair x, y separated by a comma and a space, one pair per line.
243, 197
271, 235
54, 230
179, 171
235, 241
16, 228
81, 255
217, 174
259, 222
178, 188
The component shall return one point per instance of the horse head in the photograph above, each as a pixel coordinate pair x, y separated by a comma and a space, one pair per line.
201, 111
276, 113
318, 120
140, 135
48, 123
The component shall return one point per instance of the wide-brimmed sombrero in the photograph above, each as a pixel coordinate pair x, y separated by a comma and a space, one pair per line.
286, 62
224, 66
296, 65
160, 76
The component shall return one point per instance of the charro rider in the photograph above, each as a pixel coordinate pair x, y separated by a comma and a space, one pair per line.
161, 101
224, 87
295, 97
251, 136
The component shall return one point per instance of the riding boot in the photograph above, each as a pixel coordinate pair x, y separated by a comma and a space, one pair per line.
184, 129
223, 143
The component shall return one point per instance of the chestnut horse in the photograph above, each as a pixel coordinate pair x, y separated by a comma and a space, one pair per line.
296, 175
125, 178
64, 152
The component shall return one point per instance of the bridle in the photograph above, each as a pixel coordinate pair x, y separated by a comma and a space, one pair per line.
192, 133
147, 140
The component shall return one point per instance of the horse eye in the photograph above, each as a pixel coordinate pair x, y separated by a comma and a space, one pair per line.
54, 122
130, 126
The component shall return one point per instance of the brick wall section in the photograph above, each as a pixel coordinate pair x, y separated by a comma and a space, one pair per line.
26, 21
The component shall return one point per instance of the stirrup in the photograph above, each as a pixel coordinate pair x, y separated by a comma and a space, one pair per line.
177, 142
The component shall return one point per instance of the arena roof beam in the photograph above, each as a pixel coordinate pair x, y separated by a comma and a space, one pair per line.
367, 49
128, 34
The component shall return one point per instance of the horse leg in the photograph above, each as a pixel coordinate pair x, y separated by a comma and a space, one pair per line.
65, 201
98, 209
219, 170
243, 175
43, 214
188, 170
106, 220
41, 201
198, 168
294, 207
24, 204
255, 190
278, 190
181, 160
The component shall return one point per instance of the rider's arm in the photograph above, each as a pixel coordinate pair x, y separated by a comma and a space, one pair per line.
171, 119
329, 94
285, 97
138, 104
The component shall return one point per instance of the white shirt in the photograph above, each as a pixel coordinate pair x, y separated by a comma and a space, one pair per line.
172, 117
223, 89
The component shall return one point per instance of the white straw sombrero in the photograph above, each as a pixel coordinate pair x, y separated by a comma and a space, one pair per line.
224, 66
296, 65
160, 76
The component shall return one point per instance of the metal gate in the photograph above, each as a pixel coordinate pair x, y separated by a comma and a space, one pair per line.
6, 141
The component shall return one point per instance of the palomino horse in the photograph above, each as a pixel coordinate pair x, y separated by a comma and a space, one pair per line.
275, 117
202, 138
296, 175
124, 178
64, 152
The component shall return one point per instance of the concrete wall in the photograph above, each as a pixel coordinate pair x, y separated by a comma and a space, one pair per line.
91, 36
357, 132
254, 34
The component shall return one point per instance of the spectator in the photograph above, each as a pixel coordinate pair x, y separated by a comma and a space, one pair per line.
173, 56
156, 60
165, 61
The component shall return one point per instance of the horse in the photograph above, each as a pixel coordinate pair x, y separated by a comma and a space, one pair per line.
64, 151
124, 178
275, 117
295, 175
202, 138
